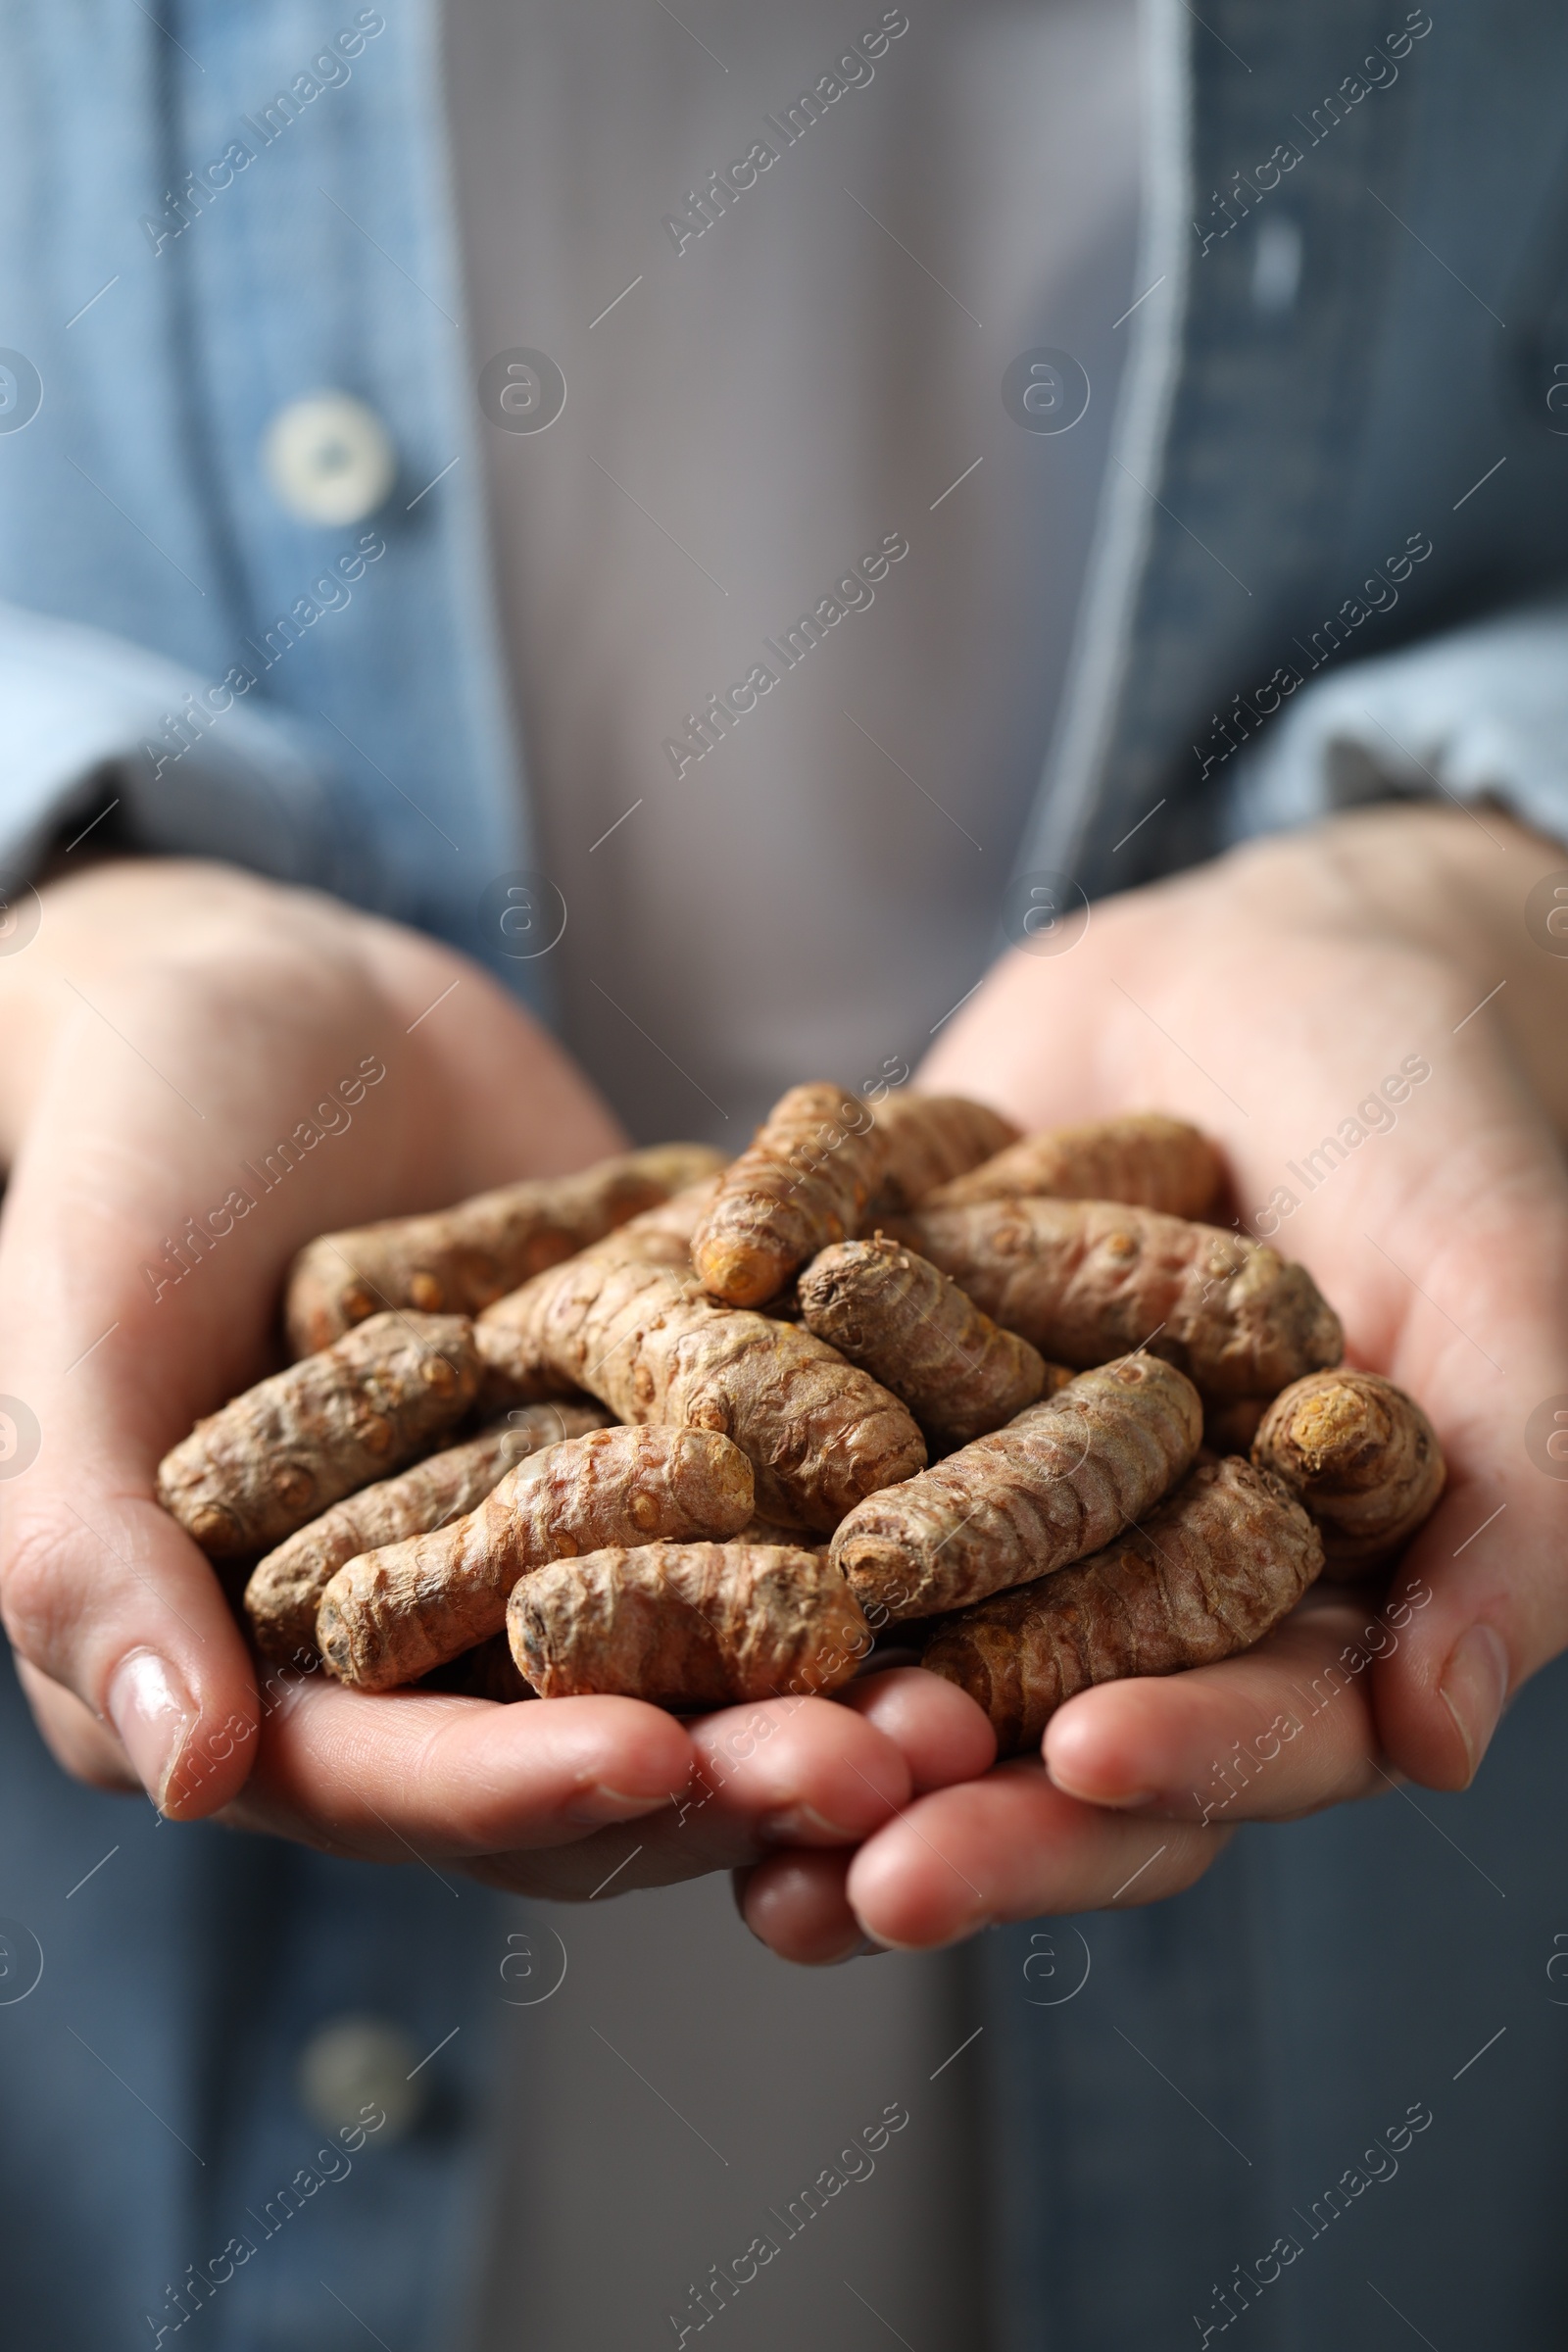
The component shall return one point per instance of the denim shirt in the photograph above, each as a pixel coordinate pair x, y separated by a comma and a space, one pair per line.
1327, 570
1341, 432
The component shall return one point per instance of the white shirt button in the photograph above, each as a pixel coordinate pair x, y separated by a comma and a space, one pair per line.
352, 2067
329, 459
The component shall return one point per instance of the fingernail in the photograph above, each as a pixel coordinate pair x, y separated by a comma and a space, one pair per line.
1475, 1688
865, 1947
799, 1825
594, 1807
1110, 1799
959, 1935
151, 1709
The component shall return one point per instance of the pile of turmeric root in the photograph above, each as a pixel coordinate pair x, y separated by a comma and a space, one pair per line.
696, 1433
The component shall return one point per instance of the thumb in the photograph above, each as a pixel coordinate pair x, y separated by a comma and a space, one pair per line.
1482, 1599
100, 1590
102, 1595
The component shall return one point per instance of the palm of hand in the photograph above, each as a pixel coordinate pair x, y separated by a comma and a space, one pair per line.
172, 1025
1438, 1228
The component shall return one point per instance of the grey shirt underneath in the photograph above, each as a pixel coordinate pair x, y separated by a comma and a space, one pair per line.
753, 406
810, 374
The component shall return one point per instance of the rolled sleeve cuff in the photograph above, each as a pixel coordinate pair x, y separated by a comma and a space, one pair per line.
198, 769
1478, 714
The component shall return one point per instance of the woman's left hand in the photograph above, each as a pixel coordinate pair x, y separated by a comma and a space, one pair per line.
1266, 998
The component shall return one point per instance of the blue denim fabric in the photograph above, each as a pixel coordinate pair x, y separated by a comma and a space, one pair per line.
135, 501
147, 2081
1313, 387
1235, 2053
1328, 368
1477, 709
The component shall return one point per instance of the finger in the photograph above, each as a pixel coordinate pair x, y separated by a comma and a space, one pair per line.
77, 1741
939, 1730
796, 1905
1448, 1254
380, 1776
107, 1356
1011, 1846
108, 1598
1278, 1732
1483, 1341
797, 1771
1481, 1592
805, 1771
407, 1773
99, 1589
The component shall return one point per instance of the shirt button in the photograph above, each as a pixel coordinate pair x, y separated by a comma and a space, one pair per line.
355, 2068
329, 458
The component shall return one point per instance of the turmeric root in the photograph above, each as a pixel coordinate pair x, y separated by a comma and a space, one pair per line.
1147, 1159
1059, 1481
511, 1375
802, 1182
914, 1331
1086, 1280
514, 1372
461, 1258
687, 1625
930, 1139
391, 1615
819, 1432
284, 1451
1364, 1459
286, 1587
660, 1236
1206, 1575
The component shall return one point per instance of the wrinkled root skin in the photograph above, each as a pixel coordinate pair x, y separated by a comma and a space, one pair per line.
458, 1259
286, 1450
1056, 1482
285, 1589
1146, 1160
928, 1141
688, 1624
391, 1616
890, 1312
1087, 1280
1362, 1457
650, 1344
805, 1180
1208, 1573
